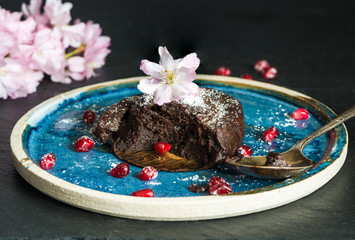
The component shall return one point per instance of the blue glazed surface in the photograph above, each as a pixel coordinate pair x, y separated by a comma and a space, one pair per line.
58, 131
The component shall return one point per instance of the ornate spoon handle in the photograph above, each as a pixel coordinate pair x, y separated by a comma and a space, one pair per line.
330, 125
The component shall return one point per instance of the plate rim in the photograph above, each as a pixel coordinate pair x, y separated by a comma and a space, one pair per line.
165, 208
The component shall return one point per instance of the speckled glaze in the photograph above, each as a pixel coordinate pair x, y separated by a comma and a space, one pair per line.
56, 125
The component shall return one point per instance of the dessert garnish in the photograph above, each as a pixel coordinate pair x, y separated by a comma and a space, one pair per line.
275, 159
120, 171
271, 133
223, 71
148, 173
143, 193
270, 73
89, 116
84, 144
48, 161
218, 185
300, 114
170, 80
162, 148
246, 76
245, 151
261, 66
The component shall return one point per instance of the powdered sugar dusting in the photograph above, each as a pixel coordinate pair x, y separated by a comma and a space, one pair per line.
211, 106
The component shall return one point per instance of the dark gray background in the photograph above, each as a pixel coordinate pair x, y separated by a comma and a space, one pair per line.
310, 42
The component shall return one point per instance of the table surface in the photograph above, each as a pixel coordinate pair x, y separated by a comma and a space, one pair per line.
311, 43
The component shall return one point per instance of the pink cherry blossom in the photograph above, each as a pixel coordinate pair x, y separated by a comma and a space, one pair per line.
96, 50
59, 15
171, 79
7, 41
49, 54
33, 10
17, 80
35, 42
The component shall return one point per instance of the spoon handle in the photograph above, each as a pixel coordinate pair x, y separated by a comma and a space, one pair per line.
330, 125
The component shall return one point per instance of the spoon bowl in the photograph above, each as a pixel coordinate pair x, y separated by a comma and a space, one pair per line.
255, 166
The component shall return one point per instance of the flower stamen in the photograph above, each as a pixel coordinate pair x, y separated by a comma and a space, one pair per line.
169, 77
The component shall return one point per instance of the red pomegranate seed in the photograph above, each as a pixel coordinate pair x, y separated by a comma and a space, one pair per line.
245, 151
300, 114
162, 148
89, 116
143, 193
271, 133
48, 161
261, 65
216, 181
148, 173
222, 188
246, 76
84, 144
270, 73
223, 71
120, 171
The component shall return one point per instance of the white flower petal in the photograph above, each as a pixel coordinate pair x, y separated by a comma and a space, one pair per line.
166, 60
76, 64
190, 61
152, 69
186, 75
179, 92
163, 94
193, 88
149, 86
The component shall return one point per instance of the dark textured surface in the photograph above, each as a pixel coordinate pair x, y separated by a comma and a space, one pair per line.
310, 42
136, 123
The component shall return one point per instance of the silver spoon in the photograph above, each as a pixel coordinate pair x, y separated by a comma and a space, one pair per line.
255, 166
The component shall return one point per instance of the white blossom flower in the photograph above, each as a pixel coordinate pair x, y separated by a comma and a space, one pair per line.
171, 79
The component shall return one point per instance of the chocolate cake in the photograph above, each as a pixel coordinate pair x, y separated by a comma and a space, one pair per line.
208, 128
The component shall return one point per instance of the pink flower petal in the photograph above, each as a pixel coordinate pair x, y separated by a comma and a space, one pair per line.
3, 93
163, 94
179, 92
152, 69
193, 88
73, 34
186, 75
190, 61
149, 86
166, 60
76, 64
58, 12
33, 8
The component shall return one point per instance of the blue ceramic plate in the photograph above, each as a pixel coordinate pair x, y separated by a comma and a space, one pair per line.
83, 179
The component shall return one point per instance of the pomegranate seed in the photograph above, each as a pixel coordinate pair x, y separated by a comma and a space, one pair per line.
261, 65
143, 193
216, 181
89, 116
271, 133
245, 151
48, 161
222, 188
246, 76
162, 148
84, 144
300, 114
120, 171
148, 173
223, 71
270, 73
